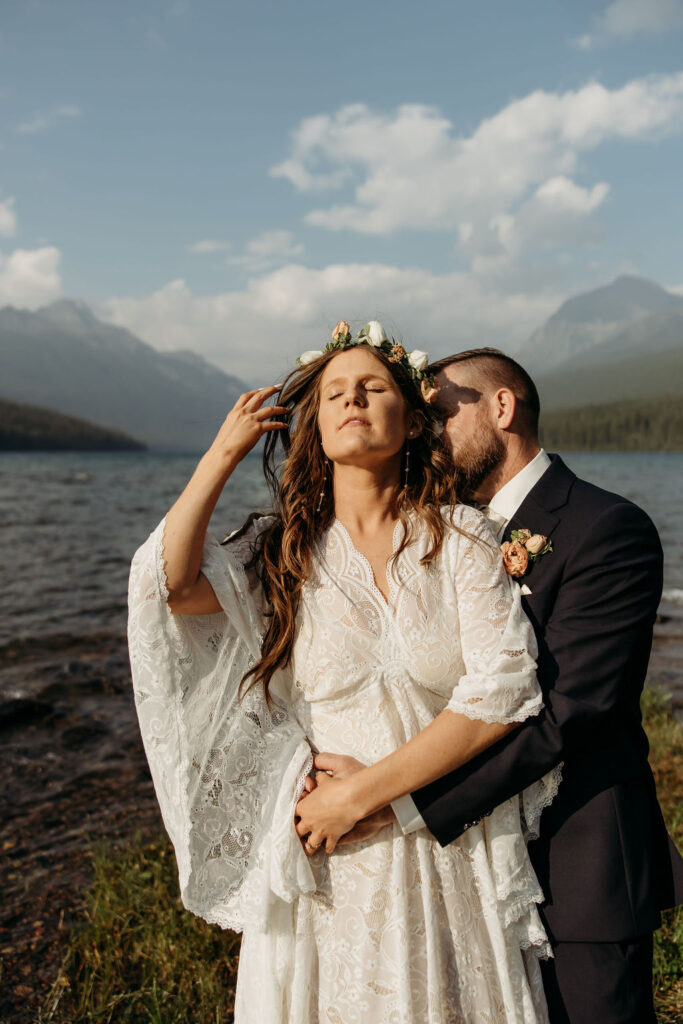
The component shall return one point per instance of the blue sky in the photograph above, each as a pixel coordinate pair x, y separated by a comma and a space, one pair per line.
233, 178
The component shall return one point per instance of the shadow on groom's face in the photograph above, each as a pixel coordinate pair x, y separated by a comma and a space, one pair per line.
469, 433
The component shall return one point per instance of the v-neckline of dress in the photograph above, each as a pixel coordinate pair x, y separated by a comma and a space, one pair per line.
387, 602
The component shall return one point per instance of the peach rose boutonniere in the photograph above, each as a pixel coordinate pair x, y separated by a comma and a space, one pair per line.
523, 547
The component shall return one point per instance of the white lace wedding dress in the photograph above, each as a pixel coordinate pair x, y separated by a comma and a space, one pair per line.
396, 929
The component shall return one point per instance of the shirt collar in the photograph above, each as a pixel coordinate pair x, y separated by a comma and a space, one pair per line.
507, 500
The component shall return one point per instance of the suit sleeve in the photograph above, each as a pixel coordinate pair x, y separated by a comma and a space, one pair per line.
593, 653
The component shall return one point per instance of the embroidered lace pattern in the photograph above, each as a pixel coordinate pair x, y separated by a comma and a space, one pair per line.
394, 929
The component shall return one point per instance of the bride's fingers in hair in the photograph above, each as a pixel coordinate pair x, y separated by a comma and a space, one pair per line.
258, 397
246, 397
274, 425
270, 410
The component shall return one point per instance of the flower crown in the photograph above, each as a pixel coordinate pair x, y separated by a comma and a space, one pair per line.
373, 334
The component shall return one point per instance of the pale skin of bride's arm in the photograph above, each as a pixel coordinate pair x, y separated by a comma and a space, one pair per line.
336, 804
189, 592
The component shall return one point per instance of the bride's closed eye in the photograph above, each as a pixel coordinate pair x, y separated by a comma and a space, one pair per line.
337, 394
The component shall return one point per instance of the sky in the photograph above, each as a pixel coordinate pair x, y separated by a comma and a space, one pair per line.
233, 178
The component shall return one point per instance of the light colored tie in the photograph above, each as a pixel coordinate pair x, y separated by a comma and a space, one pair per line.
497, 522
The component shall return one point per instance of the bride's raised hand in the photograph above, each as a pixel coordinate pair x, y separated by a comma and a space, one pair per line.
246, 423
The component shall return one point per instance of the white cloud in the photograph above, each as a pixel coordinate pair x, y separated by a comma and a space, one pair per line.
278, 315
209, 245
263, 252
556, 215
563, 194
411, 169
624, 19
68, 110
267, 250
30, 277
43, 120
8, 218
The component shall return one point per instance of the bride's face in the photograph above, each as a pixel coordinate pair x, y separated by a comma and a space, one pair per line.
363, 417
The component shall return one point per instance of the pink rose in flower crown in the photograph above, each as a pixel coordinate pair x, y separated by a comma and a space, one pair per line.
535, 543
341, 330
515, 558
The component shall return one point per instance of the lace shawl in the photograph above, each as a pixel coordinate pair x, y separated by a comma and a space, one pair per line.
227, 773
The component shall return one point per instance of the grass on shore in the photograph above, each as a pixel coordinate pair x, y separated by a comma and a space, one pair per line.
666, 757
138, 955
139, 958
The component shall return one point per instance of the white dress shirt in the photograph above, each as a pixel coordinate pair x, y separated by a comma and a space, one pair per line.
503, 505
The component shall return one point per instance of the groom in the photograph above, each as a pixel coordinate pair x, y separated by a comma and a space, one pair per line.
603, 857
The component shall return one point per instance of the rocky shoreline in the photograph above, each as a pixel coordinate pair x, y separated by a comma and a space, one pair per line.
75, 776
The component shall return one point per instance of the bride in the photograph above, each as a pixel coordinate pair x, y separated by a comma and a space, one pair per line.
371, 615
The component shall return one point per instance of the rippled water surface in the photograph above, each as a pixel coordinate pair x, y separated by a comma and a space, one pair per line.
71, 522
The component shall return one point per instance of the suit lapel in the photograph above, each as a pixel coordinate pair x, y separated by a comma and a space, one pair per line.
540, 511
532, 516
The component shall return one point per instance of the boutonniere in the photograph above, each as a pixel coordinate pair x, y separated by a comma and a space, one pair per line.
523, 548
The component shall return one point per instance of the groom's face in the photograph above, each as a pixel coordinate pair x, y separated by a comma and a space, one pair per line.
469, 429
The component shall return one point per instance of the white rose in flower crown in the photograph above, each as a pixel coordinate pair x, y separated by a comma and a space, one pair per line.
375, 333
310, 356
418, 359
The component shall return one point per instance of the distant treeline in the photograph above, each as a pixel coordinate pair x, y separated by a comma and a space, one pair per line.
639, 425
33, 428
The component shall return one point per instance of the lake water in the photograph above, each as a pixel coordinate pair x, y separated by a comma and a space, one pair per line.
71, 522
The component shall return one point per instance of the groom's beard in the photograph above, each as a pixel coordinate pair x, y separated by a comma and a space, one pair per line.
476, 459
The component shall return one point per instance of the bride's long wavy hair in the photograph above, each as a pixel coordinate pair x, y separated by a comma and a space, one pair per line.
282, 556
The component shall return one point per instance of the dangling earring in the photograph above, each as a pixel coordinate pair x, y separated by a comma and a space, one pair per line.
322, 493
407, 467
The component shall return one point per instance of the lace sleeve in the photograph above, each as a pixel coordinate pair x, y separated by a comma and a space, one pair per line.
498, 642
227, 773
499, 650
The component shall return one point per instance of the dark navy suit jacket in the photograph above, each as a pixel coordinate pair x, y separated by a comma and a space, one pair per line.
604, 859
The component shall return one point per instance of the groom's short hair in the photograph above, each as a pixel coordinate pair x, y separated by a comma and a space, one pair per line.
490, 368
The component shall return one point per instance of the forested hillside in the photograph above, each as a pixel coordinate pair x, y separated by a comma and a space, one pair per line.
649, 425
33, 428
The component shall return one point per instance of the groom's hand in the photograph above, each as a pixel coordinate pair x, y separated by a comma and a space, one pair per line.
341, 766
368, 827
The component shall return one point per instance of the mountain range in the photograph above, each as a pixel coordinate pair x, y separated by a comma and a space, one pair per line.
623, 341
64, 358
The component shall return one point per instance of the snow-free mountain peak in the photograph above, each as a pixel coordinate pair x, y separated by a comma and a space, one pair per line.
587, 322
69, 313
626, 298
63, 358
